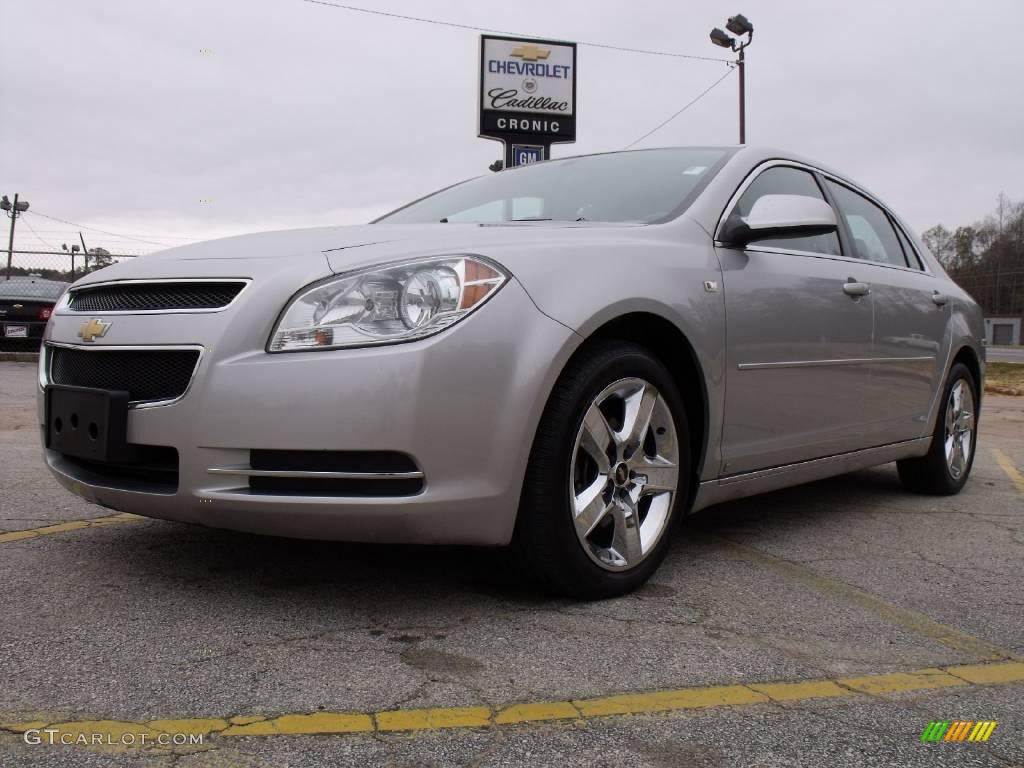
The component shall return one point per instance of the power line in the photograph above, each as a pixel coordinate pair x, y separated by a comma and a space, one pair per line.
685, 107
474, 28
67, 231
101, 231
37, 235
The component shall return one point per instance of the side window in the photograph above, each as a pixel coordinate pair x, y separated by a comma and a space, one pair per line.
874, 239
780, 180
909, 251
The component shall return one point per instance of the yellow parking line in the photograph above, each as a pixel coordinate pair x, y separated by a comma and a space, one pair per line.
650, 702
73, 525
1007, 466
906, 618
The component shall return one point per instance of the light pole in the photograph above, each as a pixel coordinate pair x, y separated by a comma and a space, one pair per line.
739, 25
13, 211
73, 251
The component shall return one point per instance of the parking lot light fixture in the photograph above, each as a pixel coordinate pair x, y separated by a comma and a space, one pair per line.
718, 37
739, 25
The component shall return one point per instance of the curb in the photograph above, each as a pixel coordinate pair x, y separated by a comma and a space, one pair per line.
995, 390
19, 357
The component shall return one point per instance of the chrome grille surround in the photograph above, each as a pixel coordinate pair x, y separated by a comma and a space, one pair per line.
154, 296
51, 351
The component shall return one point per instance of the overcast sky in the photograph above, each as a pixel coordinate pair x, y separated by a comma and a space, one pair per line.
303, 115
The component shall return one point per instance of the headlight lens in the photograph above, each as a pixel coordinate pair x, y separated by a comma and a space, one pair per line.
386, 304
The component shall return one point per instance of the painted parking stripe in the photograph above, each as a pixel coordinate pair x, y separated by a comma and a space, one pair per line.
438, 718
73, 525
1007, 466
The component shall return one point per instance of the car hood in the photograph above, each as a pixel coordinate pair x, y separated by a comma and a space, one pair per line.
307, 254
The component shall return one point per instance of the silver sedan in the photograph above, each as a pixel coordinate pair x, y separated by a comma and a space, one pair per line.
565, 358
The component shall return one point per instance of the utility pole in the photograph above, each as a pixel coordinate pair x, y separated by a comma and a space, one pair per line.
739, 25
743, 96
13, 211
85, 254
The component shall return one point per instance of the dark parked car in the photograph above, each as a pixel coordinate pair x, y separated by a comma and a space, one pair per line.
25, 306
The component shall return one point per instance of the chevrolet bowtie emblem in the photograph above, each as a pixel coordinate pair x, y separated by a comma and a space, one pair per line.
530, 53
93, 329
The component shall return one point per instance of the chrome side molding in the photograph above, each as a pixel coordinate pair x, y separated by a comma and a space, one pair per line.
247, 471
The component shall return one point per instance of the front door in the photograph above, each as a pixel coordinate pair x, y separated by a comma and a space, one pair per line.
799, 340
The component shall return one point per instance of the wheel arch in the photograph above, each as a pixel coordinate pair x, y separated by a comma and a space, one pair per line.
967, 355
670, 345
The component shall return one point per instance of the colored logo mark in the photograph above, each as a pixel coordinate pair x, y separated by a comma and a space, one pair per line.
958, 730
530, 53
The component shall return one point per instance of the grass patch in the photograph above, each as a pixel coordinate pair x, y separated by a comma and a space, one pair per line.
1005, 375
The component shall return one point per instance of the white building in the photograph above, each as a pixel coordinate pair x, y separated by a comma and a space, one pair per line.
1003, 329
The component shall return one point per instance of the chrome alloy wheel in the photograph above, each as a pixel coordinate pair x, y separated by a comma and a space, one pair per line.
959, 440
624, 474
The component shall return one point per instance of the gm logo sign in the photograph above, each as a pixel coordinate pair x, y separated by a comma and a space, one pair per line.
524, 154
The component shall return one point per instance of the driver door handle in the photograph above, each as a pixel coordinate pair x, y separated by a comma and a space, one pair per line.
939, 298
855, 289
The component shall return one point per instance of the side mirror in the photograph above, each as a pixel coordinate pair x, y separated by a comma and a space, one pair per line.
779, 216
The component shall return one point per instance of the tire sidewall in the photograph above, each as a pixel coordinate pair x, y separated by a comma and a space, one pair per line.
958, 372
632, 363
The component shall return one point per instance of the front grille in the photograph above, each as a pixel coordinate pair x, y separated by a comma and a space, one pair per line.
154, 297
146, 374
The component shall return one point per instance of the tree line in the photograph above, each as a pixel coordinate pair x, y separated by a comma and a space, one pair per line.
986, 258
98, 259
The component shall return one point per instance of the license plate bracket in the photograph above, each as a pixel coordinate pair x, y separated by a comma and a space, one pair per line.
87, 423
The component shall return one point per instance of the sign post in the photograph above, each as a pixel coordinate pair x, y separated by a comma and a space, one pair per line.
527, 96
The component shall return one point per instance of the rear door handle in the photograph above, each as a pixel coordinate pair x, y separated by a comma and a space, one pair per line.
853, 288
939, 298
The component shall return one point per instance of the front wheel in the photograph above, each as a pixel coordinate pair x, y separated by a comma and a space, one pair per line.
608, 472
945, 468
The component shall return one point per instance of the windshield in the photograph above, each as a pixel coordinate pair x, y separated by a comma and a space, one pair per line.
643, 186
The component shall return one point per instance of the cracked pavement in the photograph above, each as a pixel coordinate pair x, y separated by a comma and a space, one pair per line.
152, 620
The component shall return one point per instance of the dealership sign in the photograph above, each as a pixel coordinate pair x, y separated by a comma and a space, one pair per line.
527, 92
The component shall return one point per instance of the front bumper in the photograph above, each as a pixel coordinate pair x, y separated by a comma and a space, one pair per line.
464, 405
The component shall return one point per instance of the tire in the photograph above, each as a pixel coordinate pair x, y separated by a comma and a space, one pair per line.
939, 472
565, 468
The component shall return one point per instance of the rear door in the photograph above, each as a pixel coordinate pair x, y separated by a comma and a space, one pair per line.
798, 340
911, 316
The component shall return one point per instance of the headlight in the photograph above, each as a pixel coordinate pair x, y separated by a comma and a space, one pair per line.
386, 304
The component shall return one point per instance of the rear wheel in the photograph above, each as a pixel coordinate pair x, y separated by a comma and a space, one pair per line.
608, 472
945, 468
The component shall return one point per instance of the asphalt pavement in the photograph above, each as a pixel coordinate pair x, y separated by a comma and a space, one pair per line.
1005, 354
822, 625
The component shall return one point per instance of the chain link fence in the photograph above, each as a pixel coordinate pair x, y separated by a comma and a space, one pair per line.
63, 266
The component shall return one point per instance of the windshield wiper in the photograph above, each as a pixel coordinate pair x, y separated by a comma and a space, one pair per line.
532, 218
